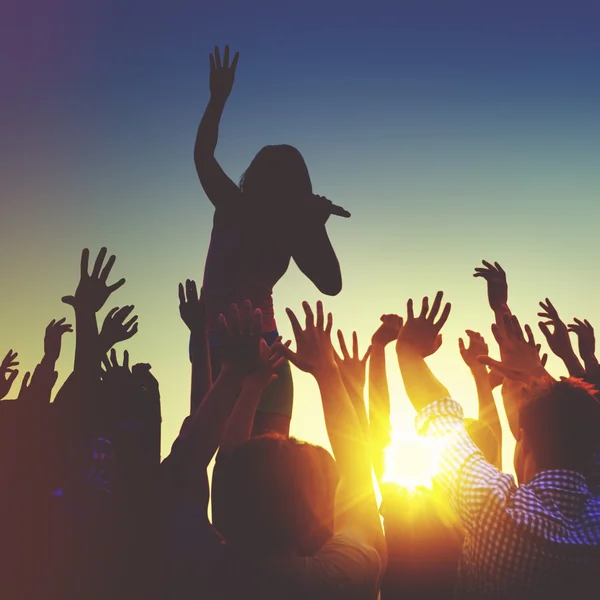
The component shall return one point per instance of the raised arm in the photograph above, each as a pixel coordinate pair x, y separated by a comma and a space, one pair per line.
219, 188
192, 310
90, 296
379, 393
497, 288
356, 508
240, 423
353, 370
558, 339
313, 252
420, 337
241, 342
7, 373
587, 344
488, 412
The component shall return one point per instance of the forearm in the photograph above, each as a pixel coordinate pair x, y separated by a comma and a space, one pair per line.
591, 363
358, 402
239, 425
488, 412
343, 426
87, 349
314, 254
421, 385
500, 312
201, 370
574, 366
208, 130
205, 431
379, 408
356, 506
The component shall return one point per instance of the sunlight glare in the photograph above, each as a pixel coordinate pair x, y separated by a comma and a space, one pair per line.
411, 461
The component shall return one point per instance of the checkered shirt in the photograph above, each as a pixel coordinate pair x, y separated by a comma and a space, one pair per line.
518, 539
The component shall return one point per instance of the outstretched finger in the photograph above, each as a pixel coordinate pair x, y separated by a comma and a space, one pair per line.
126, 360
343, 346
436, 306
409, 309
98, 264
530, 337
285, 351
113, 358
310, 317
354, 344
217, 57
84, 264
445, 314
320, 316
226, 57
181, 295
367, 354
234, 63
116, 286
296, 327
108, 268
461, 345
424, 308
25, 382
544, 329
211, 58
329, 324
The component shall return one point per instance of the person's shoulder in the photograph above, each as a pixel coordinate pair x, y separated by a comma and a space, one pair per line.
344, 567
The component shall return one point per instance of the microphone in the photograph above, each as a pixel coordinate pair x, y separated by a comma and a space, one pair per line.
338, 211
334, 209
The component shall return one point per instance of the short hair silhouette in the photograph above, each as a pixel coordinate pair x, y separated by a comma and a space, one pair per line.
278, 496
562, 424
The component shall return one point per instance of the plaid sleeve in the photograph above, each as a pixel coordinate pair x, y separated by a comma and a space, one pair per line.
472, 485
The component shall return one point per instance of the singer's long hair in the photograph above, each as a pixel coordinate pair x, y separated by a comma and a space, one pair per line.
276, 174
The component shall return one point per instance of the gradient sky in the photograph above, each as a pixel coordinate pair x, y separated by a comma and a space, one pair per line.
453, 131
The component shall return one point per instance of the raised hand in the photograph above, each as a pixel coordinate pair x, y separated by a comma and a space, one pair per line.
477, 347
39, 389
558, 339
314, 350
497, 287
222, 74
113, 373
93, 291
520, 357
421, 335
388, 331
7, 373
240, 335
114, 328
53, 338
269, 363
352, 368
587, 342
192, 308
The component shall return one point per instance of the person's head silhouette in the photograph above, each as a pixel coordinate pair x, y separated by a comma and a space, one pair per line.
277, 173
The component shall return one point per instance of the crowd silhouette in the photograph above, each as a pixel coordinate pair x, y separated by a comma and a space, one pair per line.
89, 510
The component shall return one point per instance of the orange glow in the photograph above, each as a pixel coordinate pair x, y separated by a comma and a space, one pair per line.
411, 461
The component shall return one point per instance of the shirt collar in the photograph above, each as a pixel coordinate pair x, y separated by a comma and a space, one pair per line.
562, 480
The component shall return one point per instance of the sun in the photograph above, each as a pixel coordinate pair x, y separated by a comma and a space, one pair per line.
411, 461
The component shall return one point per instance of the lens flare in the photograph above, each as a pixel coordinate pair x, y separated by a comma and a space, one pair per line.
411, 461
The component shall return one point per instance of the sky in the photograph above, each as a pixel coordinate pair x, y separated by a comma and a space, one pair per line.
452, 131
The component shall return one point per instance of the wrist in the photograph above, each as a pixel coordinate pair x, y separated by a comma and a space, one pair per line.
478, 370
326, 370
378, 346
407, 354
